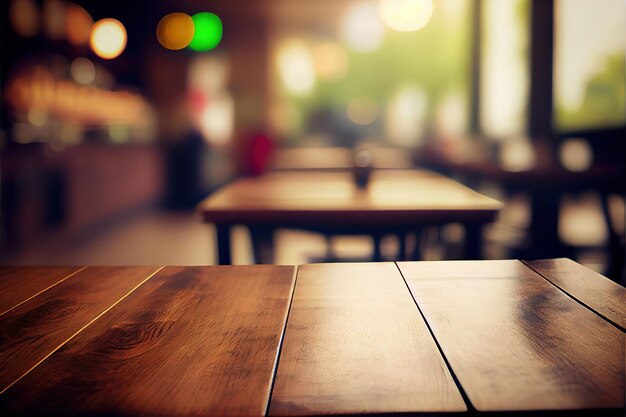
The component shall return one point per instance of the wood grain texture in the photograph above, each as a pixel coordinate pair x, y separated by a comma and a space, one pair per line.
30, 332
597, 292
356, 343
516, 342
190, 341
20, 283
393, 197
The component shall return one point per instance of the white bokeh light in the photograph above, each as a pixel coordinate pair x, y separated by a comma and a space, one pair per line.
295, 66
406, 15
217, 120
406, 116
363, 30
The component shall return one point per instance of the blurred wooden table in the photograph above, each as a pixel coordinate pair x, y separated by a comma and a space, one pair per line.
486, 337
395, 201
337, 159
606, 179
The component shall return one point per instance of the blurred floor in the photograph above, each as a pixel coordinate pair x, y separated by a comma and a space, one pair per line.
152, 238
173, 238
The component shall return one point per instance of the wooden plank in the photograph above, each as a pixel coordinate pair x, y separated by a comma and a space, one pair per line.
35, 329
356, 343
514, 341
19, 284
597, 292
190, 341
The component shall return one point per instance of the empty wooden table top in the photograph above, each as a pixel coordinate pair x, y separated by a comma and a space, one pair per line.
391, 197
327, 339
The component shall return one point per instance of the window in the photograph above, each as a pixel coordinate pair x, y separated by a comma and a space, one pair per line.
589, 70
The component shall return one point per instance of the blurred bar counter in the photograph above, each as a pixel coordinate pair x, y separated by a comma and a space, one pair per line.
76, 190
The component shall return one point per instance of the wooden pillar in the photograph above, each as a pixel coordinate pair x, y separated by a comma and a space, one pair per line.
476, 44
541, 69
545, 200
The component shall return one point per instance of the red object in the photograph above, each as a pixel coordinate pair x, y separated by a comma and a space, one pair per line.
260, 148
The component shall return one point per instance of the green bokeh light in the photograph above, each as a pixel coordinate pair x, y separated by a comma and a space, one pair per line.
208, 31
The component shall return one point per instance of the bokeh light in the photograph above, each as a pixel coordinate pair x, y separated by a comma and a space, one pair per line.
406, 15
175, 31
405, 118
24, 17
208, 73
363, 31
576, 154
108, 38
363, 158
362, 110
83, 71
217, 120
78, 24
451, 115
295, 66
207, 31
517, 154
37, 116
330, 61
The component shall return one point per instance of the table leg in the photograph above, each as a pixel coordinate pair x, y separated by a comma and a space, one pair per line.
473, 241
223, 244
262, 244
615, 269
417, 253
544, 226
377, 256
402, 237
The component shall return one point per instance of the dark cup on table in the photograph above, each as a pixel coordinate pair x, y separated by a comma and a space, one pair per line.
362, 166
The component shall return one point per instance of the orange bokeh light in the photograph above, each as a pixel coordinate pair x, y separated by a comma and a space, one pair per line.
175, 31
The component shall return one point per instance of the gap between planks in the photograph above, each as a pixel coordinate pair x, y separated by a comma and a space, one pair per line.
572, 296
82, 328
42, 291
282, 338
457, 382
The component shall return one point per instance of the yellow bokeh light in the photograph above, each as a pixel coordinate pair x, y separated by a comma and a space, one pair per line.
517, 154
175, 31
362, 110
406, 15
330, 61
108, 38
576, 154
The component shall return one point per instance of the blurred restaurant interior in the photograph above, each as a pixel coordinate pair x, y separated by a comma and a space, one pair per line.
119, 117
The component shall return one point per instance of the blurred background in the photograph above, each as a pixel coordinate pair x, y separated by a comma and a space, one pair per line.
118, 117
